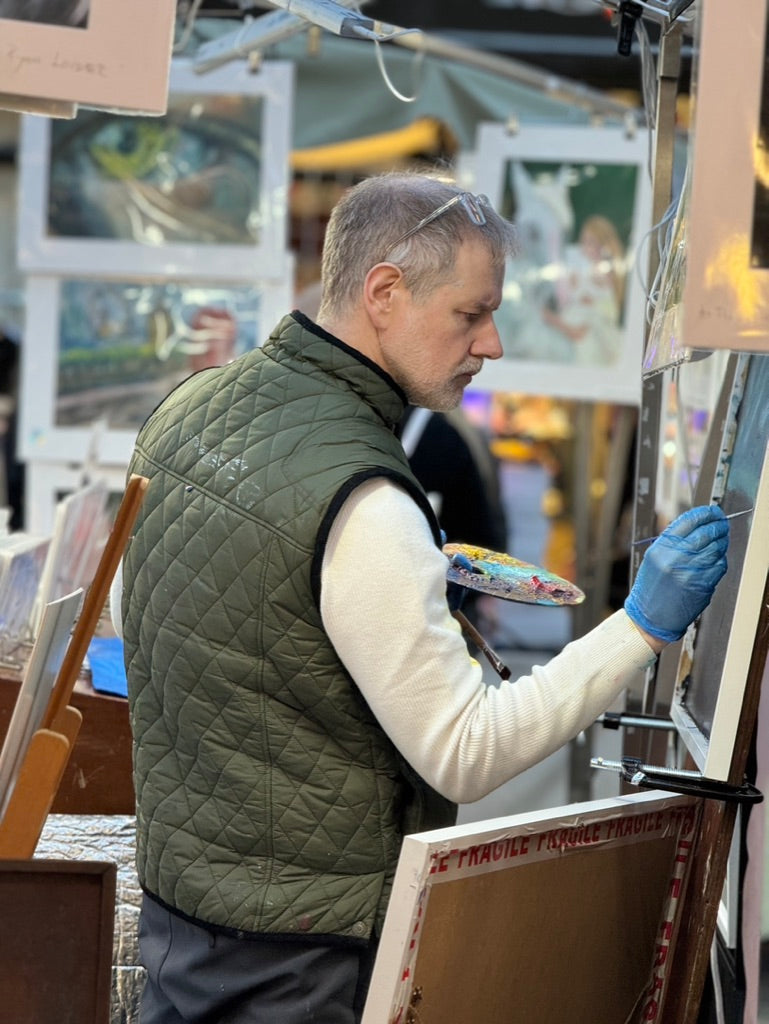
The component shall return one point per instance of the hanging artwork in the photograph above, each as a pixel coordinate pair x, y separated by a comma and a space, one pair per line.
95, 52
106, 352
726, 291
202, 190
572, 315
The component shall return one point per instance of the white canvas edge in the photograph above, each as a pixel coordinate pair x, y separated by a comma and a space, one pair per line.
713, 755
622, 382
742, 636
38, 252
36, 687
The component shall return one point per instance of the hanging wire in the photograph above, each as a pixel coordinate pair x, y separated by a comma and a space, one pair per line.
651, 291
189, 25
718, 994
649, 88
416, 68
683, 434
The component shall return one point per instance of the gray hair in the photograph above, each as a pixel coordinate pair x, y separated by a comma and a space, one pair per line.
372, 216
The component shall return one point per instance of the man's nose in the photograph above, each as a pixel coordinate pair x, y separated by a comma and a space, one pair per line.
487, 343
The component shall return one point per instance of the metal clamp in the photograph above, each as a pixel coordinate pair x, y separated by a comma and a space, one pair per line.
679, 780
620, 719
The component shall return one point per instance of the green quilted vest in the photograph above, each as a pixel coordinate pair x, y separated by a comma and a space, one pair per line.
269, 800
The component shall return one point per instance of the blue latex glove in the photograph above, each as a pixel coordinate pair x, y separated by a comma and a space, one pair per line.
679, 573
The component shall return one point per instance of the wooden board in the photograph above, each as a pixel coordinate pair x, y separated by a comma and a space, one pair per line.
97, 779
56, 945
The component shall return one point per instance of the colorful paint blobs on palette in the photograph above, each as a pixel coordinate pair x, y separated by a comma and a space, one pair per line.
503, 576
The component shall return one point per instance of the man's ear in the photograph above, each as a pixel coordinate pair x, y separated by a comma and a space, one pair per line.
383, 283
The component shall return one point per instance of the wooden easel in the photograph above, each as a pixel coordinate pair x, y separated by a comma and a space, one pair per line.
49, 749
691, 954
689, 957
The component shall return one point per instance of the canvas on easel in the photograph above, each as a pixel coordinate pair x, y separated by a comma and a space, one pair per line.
716, 652
565, 914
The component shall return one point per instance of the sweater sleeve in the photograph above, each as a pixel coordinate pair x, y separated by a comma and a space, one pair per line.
383, 604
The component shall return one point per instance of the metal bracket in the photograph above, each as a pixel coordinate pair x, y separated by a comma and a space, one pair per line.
679, 780
623, 719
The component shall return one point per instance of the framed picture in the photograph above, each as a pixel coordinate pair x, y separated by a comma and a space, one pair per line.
39, 677
92, 52
573, 310
488, 921
22, 561
201, 191
726, 288
106, 352
49, 484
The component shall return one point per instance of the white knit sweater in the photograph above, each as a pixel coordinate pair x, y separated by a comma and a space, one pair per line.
383, 603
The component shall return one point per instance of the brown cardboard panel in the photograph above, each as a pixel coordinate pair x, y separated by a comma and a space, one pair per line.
559, 940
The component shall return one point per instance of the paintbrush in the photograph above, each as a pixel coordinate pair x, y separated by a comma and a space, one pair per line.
732, 515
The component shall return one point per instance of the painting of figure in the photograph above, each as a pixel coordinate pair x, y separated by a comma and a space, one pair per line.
572, 316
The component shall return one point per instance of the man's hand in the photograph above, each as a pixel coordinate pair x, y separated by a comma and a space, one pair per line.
679, 573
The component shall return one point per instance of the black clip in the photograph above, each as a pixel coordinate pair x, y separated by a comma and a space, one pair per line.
680, 780
629, 13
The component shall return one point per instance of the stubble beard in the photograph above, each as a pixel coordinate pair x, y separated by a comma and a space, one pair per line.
444, 397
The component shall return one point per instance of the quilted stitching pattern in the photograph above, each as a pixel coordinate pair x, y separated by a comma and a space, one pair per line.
269, 800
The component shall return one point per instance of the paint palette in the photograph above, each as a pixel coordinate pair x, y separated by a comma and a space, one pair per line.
501, 575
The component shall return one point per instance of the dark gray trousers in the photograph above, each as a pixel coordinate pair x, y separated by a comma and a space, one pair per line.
197, 977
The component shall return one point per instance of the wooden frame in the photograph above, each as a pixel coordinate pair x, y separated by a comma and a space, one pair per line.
59, 922
201, 192
565, 914
581, 200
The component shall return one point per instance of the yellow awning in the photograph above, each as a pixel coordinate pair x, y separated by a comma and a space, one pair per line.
426, 135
